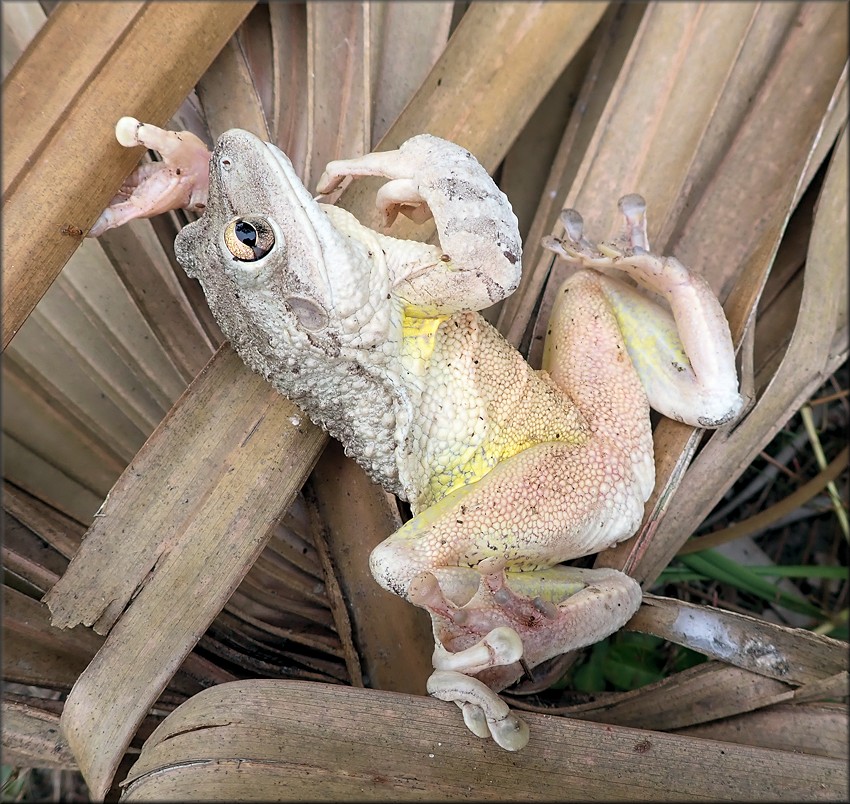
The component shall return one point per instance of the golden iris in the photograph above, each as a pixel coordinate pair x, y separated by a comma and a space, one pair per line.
249, 239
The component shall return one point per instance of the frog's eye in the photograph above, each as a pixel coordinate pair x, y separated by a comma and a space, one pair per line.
249, 239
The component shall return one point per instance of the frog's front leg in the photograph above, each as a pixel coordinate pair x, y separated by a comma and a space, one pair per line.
478, 261
179, 181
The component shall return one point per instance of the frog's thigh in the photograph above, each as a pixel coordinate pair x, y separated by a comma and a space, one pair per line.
587, 357
547, 504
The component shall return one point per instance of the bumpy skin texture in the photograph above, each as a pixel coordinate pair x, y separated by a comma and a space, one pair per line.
509, 471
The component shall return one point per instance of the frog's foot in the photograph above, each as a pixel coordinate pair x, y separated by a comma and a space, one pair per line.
629, 252
180, 181
553, 611
495, 626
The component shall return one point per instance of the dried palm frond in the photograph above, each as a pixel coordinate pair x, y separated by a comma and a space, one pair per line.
204, 561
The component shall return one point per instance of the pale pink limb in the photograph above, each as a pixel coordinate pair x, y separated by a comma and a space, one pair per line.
179, 181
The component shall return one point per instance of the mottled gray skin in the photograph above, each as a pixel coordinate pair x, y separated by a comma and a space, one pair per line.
321, 317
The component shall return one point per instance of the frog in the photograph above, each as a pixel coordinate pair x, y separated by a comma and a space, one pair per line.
510, 472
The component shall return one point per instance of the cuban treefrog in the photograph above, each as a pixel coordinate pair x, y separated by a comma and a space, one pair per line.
508, 471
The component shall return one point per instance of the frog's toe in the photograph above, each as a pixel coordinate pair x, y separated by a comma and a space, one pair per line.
633, 209
500, 647
474, 718
561, 248
127, 132
574, 247
119, 212
179, 181
510, 733
573, 224
328, 182
476, 700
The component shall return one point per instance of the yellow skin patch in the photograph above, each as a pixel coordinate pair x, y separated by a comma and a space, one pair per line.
649, 334
418, 340
469, 465
482, 405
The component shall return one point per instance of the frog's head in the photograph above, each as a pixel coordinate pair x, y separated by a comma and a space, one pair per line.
271, 261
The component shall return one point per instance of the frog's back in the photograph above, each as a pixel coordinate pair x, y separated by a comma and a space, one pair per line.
481, 403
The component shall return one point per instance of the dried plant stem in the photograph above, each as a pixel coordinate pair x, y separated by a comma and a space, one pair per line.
840, 512
757, 523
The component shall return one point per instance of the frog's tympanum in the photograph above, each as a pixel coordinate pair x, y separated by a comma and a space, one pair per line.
508, 471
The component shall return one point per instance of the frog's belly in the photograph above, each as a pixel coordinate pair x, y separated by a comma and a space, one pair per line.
481, 403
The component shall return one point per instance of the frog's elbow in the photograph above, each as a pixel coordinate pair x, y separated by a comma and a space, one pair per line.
717, 410
720, 414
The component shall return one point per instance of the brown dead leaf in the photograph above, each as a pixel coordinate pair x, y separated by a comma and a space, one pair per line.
609, 45
249, 474
406, 41
792, 655
483, 103
816, 730
393, 638
148, 275
288, 23
32, 738
339, 98
228, 94
288, 741
707, 692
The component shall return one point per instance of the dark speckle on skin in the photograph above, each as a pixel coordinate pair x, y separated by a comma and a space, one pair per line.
708, 422
460, 189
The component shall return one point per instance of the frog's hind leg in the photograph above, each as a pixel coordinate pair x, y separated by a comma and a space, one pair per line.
683, 354
462, 557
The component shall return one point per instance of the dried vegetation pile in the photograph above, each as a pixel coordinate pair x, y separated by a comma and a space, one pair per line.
227, 541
